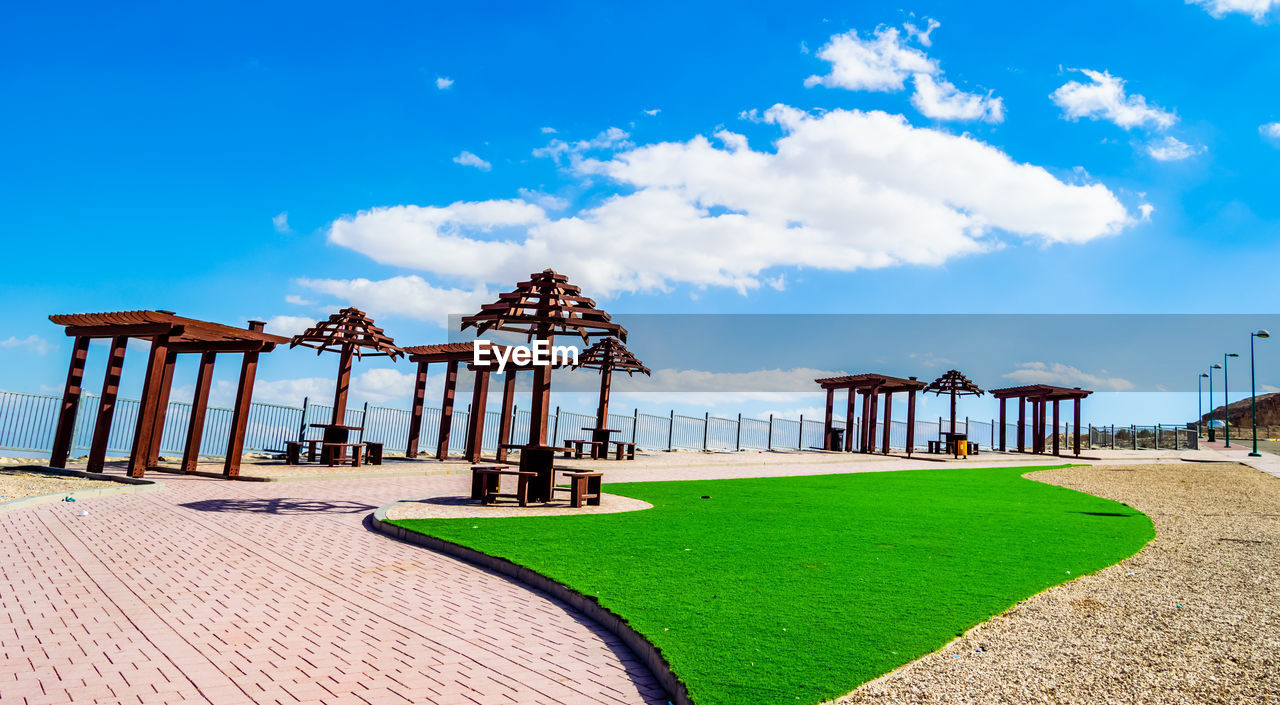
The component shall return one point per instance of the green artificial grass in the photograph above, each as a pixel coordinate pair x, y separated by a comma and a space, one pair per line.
798, 589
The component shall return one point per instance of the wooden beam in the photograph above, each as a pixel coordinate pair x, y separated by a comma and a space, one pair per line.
1022, 424
871, 431
62, 437
888, 419
147, 406
911, 422
339, 417
850, 420
504, 423
199, 407
1002, 424
1055, 427
415, 419
827, 428
475, 426
1075, 431
162, 410
240, 415
107, 405
140, 330
446, 410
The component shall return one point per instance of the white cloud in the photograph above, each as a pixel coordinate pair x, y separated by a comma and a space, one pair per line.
1257, 9
1171, 149
1104, 98
404, 295
466, 158
289, 325
922, 35
548, 130
544, 200
1270, 130
443, 82
378, 385
1058, 374
298, 300
281, 222
842, 191
34, 343
941, 100
653, 112
881, 63
610, 139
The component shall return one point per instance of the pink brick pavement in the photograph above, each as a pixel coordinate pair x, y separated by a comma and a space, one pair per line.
224, 593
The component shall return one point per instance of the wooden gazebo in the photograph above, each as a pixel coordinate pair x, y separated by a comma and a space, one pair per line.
350, 333
544, 306
607, 355
1040, 395
169, 336
871, 387
956, 385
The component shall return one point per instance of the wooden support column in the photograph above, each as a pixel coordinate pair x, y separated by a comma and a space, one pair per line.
911, 422
1035, 425
827, 440
62, 437
142, 432
850, 420
199, 407
1075, 430
446, 410
862, 427
240, 415
339, 417
475, 431
1002, 423
540, 410
415, 420
1044, 425
888, 419
107, 404
504, 423
871, 419
1022, 424
162, 410
1055, 427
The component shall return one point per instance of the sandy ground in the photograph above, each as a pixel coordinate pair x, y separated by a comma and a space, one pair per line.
454, 507
1192, 618
16, 484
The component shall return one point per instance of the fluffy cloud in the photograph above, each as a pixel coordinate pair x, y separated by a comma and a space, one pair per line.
1061, 375
1171, 149
378, 385
33, 343
941, 100
281, 222
289, 325
404, 295
842, 191
1104, 98
1270, 130
880, 63
612, 138
884, 62
1257, 9
443, 82
466, 158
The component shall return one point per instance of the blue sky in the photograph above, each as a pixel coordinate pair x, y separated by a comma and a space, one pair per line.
216, 160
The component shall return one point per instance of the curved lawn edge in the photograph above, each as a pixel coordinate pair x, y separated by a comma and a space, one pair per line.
125, 485
649, 654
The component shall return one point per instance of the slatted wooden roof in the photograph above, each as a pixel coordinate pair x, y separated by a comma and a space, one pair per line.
352, 328
953, 381
461, 352
1041, 391
184, 334
610, 354
883, 383
545, 304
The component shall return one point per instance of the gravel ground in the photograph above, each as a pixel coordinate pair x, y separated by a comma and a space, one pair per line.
15, 484
1192, 618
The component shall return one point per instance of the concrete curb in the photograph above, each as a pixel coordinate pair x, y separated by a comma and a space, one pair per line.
129, 485
649, 654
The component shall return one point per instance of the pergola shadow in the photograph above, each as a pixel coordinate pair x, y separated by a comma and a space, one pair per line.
280, 505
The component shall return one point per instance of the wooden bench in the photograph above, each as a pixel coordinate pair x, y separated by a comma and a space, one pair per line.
486, 479
293, 450
630, 450
937, 446
584, 487
373, 453
334, 453
578, 450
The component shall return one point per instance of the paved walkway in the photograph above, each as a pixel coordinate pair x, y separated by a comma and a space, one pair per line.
226, 593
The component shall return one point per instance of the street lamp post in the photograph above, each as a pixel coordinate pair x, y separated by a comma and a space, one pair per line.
1212, 435
1226, 400
1200, 403
1253, 389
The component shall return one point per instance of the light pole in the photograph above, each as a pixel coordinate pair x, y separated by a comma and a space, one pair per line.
1253, 389
1215, 366
1226, 400
1200, 403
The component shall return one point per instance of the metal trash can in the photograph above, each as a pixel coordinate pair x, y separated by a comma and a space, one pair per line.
962, 448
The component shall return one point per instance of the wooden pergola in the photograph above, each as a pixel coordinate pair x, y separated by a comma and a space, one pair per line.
956, 385
169, 336
350, 333
607, 355
1040, 395
871, 387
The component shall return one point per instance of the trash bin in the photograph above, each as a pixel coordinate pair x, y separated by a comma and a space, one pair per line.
962, 448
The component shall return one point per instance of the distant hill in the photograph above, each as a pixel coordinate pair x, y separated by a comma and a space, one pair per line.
1238, 413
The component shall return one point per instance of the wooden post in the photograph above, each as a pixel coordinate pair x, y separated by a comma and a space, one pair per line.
504, 423
737, 435
475, 432
240, 415
863, 434
62, 437
850, 421
1022, 424
1002, 416
888, 419
911, 422
827, 428
871, 419
1076, 427
415, 419
1055, 427
107, 405
602, 409
446, 410
162, 410
147, 406
339, 417
1044, 424
541, 407
199, 406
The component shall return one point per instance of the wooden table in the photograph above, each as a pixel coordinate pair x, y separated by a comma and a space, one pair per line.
600, 436
540, 459
336, 433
